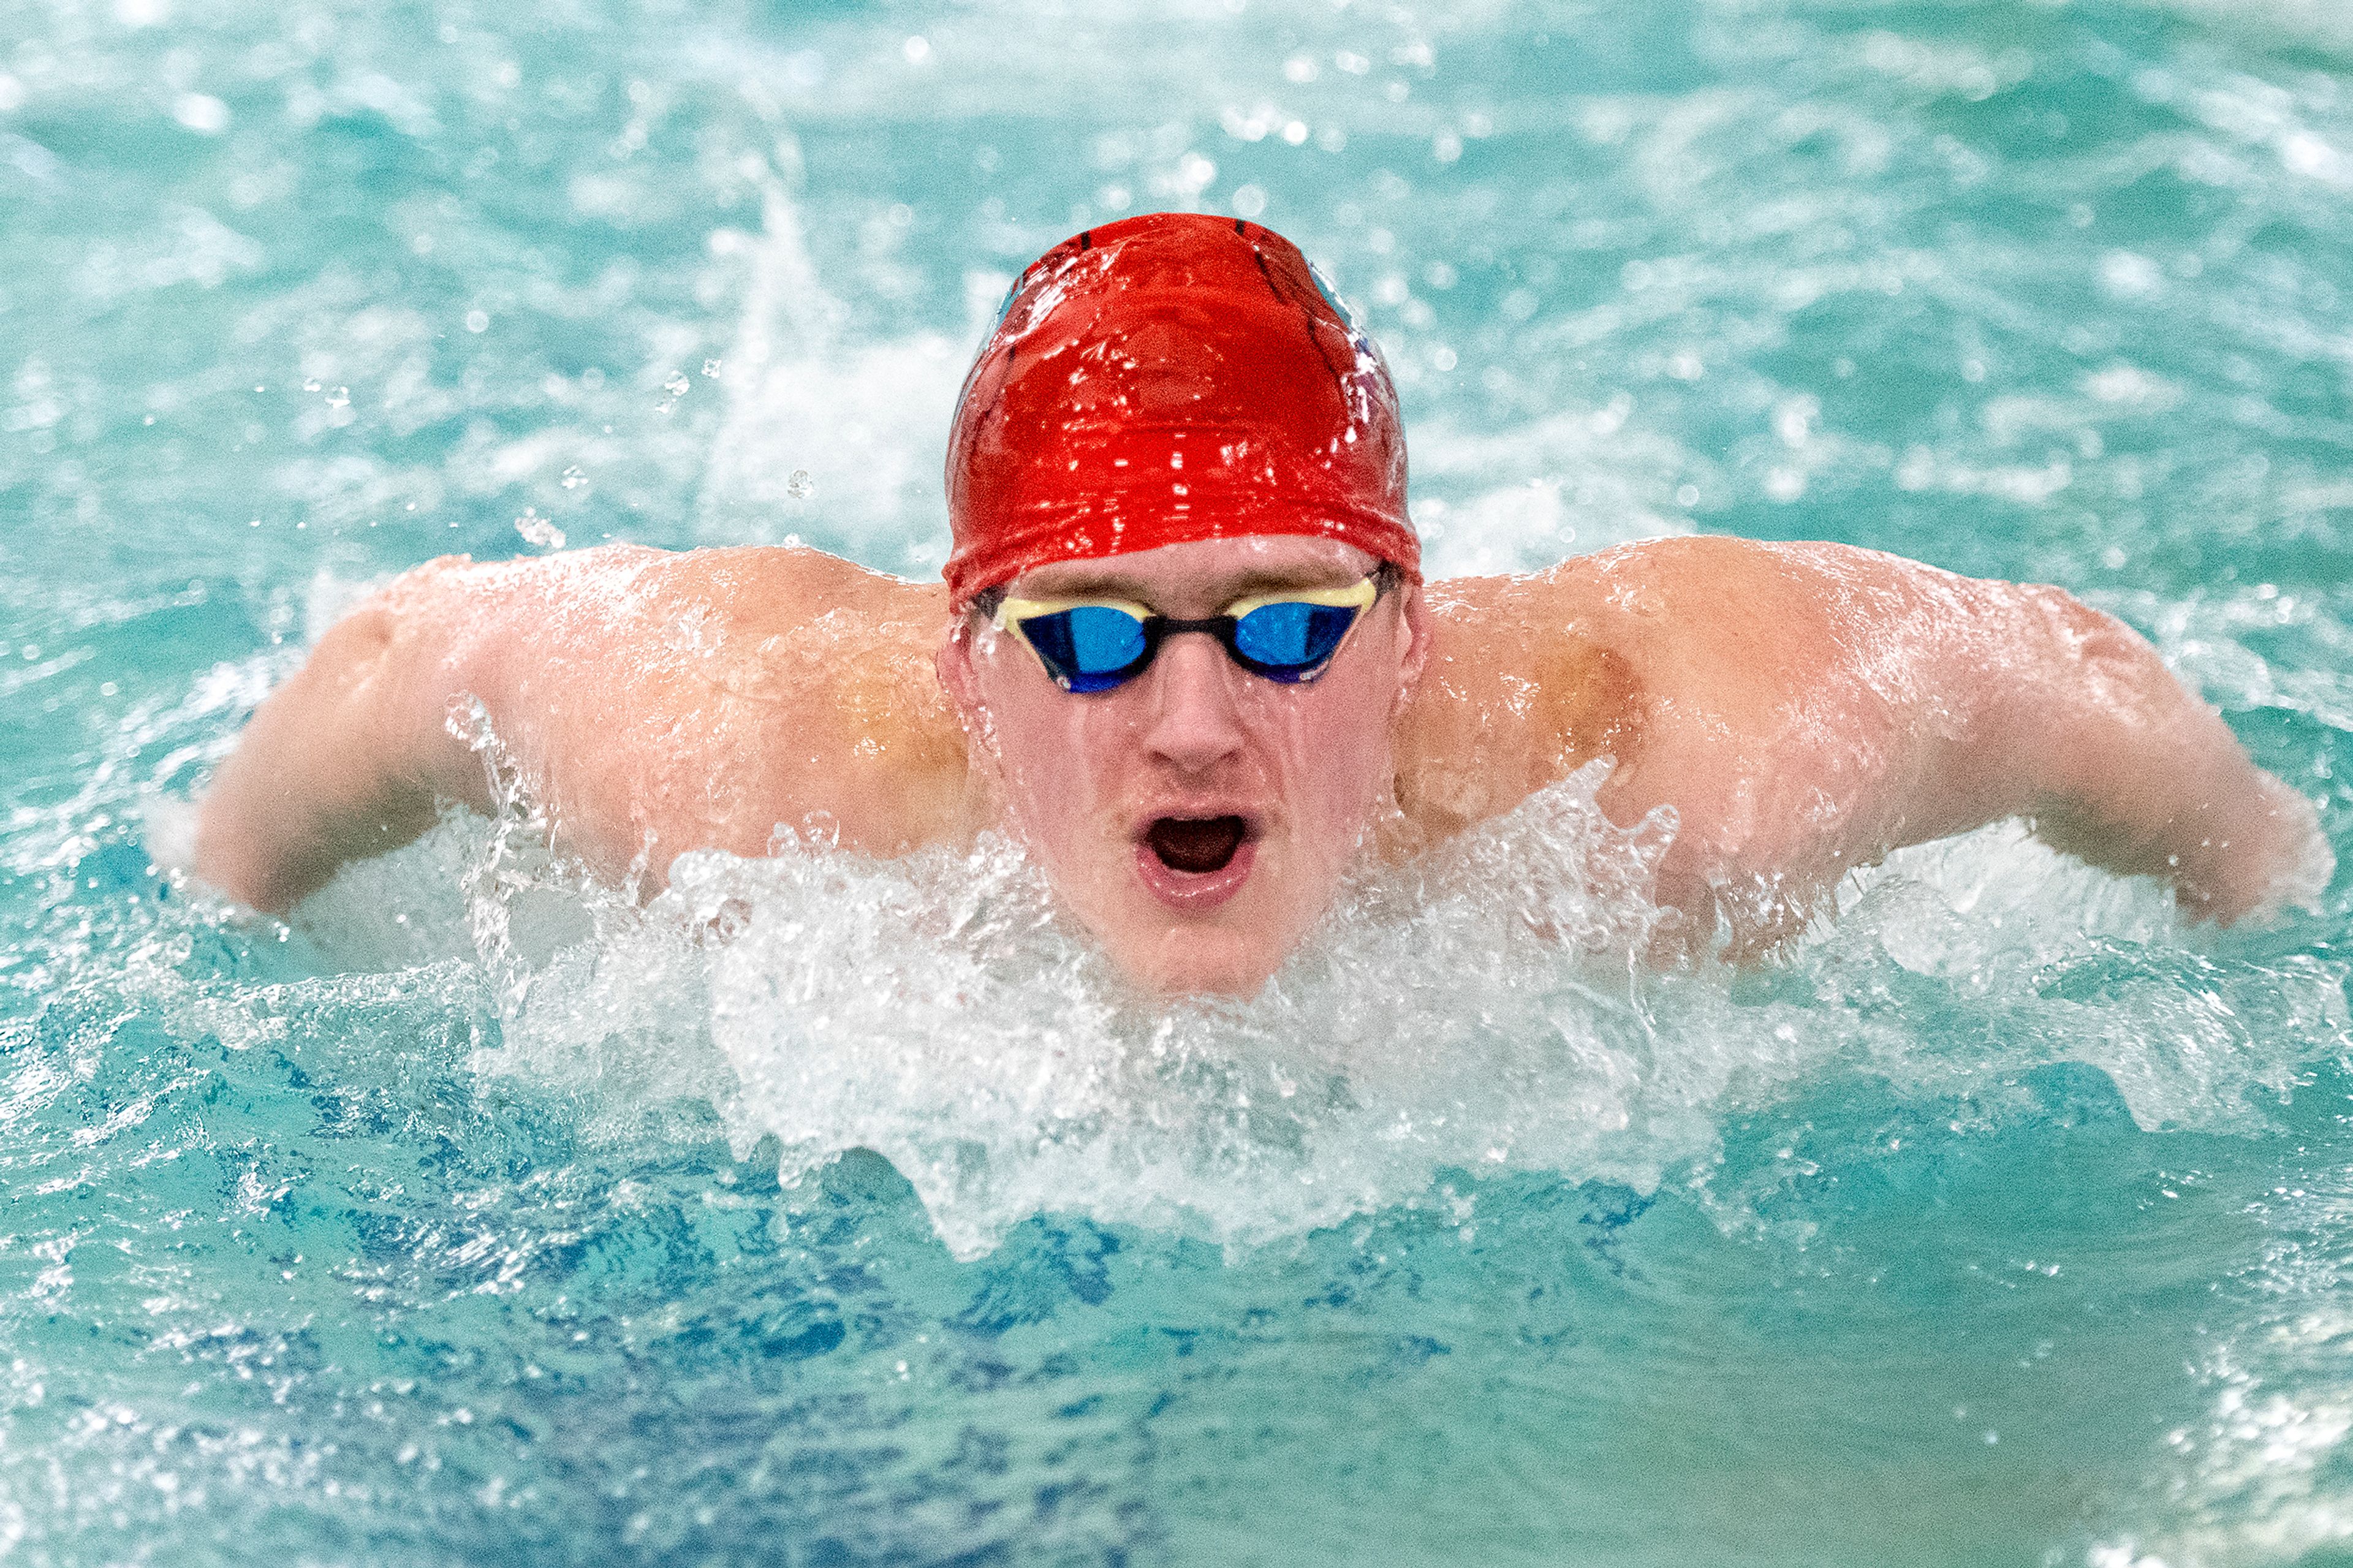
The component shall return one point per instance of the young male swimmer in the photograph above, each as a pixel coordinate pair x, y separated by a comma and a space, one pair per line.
1184, 655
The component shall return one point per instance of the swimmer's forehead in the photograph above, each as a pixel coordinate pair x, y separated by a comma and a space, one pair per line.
1223, 569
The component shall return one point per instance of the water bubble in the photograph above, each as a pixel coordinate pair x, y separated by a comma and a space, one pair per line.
310, 384
339, 398
574, 478
710, 367
677, 384
539, 530
799, 485
478, 321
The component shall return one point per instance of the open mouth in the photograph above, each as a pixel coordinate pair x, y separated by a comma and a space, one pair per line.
1196, 844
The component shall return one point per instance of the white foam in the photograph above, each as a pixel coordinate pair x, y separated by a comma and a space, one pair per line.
1482, 1010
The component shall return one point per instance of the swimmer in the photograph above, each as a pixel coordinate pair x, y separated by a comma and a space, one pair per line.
1184, 655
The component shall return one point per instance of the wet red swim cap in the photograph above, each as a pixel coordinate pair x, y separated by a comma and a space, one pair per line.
1164, 379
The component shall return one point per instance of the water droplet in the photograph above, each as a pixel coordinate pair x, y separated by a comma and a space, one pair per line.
201, 113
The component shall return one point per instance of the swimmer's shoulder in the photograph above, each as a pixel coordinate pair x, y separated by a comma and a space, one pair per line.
1702, 608
752, 585
592, 602
1523, 685
1610, 655
810, 682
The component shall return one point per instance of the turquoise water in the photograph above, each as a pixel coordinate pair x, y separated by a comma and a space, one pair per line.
479, 1218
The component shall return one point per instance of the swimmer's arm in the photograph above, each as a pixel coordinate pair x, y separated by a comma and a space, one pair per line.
2111, 759
645, 703
1806, 709
352, 756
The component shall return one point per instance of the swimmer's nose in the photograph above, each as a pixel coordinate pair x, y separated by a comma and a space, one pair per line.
1195, 723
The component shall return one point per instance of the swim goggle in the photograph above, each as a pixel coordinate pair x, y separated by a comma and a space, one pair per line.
1094, 645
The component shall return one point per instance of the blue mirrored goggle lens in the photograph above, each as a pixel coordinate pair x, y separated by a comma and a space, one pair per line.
1286, 640
1092, 648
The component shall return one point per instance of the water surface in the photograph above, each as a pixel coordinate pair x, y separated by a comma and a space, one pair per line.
479, 1216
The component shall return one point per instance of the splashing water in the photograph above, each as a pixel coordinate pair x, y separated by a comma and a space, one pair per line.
537, 531
938, 1011
1482, 1010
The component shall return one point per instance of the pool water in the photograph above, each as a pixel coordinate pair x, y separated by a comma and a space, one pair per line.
837, 1212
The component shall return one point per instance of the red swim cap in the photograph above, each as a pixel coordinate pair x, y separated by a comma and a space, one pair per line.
1168, 378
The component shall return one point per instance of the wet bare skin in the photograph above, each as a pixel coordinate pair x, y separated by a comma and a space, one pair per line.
1803, 709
